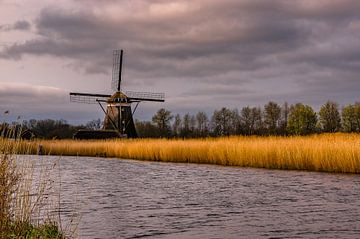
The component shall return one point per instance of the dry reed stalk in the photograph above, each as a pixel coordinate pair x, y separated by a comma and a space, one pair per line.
327, 152
24, 198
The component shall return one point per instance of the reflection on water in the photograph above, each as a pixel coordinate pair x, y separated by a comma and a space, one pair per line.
132, 199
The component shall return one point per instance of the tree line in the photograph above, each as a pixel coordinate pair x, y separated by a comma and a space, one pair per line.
272, 119
46, 128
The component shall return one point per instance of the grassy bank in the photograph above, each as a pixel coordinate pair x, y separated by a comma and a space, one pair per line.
327, 152
23, 198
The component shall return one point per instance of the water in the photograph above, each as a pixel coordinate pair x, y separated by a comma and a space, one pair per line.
132, 199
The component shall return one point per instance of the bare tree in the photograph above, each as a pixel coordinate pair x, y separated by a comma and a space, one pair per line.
272, 113
251, 119
176, 128
95, 124
162, 120
222, 120
202, 123
285, 110
186, 125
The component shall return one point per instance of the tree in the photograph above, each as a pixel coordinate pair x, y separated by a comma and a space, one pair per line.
329, 117
162, 120
192, 124
95, 124
251, 120
222, 122
302, 120
351, 118
284, 118
176, 128
185, 129
236, 127
272, 113
146, 129
202, 123
50, 129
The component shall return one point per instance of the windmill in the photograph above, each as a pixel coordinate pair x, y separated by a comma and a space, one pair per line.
118, 112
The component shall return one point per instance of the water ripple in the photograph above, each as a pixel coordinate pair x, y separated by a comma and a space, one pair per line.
132, 199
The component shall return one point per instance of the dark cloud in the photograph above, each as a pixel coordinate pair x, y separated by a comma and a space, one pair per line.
233, 52
194, 43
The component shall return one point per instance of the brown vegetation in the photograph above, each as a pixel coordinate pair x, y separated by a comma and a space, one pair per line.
327, 152
24, 198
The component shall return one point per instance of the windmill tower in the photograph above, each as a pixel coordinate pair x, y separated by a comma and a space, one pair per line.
118, 112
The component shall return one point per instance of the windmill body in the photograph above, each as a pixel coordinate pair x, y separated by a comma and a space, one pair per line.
118, 120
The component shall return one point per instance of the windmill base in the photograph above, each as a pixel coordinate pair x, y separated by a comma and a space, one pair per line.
97, 134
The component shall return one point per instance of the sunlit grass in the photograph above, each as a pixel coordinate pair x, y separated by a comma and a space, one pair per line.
326, 152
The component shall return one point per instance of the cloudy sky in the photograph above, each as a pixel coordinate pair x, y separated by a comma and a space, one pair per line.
203, 54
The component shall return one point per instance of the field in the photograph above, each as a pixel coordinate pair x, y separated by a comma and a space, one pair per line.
325, 153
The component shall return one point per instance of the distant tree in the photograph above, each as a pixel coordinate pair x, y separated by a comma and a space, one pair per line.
236, 127
202, 123
272, 114
302, 120
329, 117
95, 124
162, 120
146, 129
49, 129
186, 126
247, 120
285, 110
351, 118
251, 120
222, 122
192, 124
176, 127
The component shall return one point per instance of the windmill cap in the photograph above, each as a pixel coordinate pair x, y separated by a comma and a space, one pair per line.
117, 96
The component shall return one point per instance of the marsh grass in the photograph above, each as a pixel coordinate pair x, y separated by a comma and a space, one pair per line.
26, 206
326, 153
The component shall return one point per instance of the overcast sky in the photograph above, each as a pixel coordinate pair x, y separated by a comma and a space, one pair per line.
203, 54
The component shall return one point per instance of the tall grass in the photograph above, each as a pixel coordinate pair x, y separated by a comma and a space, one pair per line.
24, 198
327, 152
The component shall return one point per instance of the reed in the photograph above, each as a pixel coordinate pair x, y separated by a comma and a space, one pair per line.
338, 153
24, 197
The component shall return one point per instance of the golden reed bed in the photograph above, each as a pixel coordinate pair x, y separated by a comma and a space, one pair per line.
327, 152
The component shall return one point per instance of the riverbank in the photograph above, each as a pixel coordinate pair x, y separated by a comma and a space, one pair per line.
338, 153
24, 198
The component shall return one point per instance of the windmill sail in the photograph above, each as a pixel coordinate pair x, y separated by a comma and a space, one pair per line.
88, 98
144, 96
116, 70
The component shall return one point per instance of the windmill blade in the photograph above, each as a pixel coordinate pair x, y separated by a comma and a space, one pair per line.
116, 70
145, 96
88, 98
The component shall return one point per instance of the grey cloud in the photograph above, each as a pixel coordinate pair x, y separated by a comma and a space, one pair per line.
259, 50
165, 46
19, 25
26, 94
30, 101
